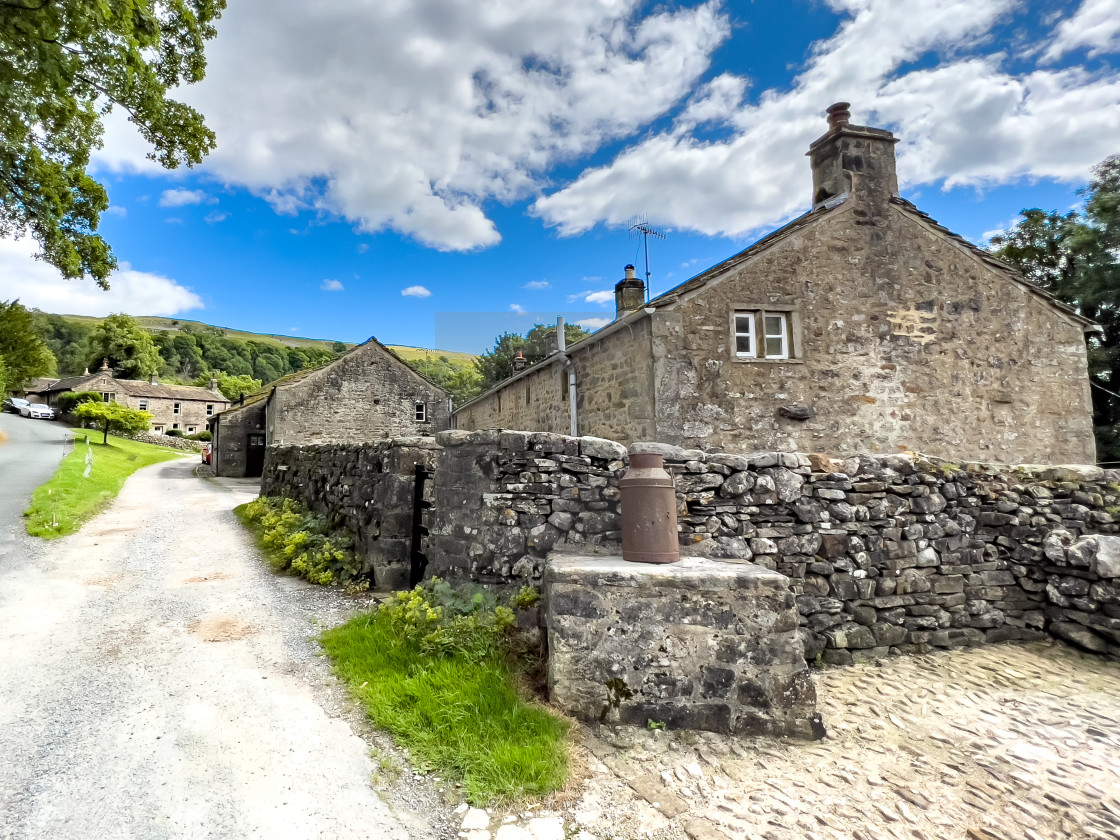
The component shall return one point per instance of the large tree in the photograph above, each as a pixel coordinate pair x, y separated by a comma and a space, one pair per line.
113, 417
64, 64
126, 345
460, 379
22, 350
1076, 257
496, 364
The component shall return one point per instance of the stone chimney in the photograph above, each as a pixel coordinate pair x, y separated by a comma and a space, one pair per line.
213, 383
629, 293
852, 160
152, 379
520, 362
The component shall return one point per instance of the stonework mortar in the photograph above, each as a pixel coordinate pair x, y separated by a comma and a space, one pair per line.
698, 644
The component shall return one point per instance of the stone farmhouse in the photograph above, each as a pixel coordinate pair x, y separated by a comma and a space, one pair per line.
861, 326
184, 408
366, 395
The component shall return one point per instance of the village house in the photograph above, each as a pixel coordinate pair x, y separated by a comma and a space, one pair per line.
182, 408
861, 326
367, 394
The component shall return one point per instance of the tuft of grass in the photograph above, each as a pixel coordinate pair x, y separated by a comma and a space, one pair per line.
68, 500
452, 702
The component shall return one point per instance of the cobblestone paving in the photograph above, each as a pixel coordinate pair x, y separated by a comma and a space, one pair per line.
997, 743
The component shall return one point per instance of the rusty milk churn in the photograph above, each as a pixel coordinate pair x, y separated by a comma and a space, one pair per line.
649, 512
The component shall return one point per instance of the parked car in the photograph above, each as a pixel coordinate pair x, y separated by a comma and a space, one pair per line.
37, 411
15, 405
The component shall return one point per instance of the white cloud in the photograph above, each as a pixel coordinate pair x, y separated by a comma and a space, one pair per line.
333, 286
1095, 26
116, 210
182, 198
593, 324
604, 297
410, 115
39, 285
964, 120
215, 217
537, 284
518, 308
416, 291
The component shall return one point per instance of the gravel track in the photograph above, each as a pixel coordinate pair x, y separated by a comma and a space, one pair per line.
158, 681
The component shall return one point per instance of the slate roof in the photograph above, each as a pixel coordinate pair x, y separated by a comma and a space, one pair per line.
140, 388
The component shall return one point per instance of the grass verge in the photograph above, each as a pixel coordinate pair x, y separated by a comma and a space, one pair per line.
63, 504
438, 671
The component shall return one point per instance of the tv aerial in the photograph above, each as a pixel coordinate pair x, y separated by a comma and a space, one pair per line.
639, 226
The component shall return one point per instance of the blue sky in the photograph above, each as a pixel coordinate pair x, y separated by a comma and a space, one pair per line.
434, 172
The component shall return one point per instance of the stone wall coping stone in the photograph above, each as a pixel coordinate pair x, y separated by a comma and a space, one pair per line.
693, 573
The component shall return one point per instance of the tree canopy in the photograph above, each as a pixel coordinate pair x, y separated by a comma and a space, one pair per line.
1076, 257
460, 379
113, 417
127, 346
64, 64
497, 363
23, 353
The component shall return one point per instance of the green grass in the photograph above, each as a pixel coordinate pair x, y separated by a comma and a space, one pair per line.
462, 718
68, 500
410, 354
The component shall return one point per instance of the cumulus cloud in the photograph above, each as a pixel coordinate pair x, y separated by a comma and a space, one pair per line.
182, 198
334, 286
116, 210
410, 115
416, 291
1096, 26
603, 297
964, 119
39, 285
537, 284
518, 308
215, 217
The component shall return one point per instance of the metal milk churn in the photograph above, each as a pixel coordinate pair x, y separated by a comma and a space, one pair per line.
649, 512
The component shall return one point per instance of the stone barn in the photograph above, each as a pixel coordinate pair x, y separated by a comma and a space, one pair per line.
861, 326
366, 395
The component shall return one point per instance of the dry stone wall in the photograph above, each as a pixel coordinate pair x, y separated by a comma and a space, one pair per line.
367, 489
885, 554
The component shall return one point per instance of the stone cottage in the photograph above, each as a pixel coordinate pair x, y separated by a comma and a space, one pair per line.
183, 408
861, 326
367, 394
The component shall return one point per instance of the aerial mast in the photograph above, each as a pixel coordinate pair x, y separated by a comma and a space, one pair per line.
642, 228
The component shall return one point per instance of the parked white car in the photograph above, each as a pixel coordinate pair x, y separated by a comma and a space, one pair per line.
15, 405
37, 411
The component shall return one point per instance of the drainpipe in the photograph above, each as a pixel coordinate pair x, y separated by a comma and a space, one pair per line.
562, 348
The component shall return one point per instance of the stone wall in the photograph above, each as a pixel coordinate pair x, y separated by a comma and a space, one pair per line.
367, 489
366, 395
885, 553
694, 645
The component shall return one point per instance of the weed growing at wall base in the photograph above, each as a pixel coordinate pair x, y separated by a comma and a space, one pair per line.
439, 669
295, 540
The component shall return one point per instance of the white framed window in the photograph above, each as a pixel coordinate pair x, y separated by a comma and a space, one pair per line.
775, 335
421, 412
209, 409
143, 405
158, 430
745, 344
768, 333
190, 430
175, 409
106, 396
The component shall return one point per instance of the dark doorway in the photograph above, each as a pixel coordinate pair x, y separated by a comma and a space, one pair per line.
418, 558
254, 456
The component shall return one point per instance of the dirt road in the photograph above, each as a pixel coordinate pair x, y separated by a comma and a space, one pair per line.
157, 681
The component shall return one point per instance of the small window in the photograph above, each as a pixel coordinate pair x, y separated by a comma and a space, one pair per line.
174, 425
209, 409
107, 397
158, 430
528, 393
175, 410
421, 412
759, 334
143, 406
190, 430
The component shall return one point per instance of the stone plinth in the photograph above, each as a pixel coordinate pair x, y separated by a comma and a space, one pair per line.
699, 644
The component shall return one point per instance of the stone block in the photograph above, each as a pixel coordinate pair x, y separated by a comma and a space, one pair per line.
695, 644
